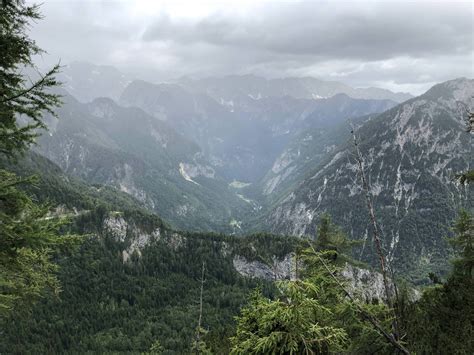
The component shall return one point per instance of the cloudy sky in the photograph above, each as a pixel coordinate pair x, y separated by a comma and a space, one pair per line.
402, 46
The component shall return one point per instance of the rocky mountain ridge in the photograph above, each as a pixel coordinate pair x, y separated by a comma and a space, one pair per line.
87, 81
411, 154
363, 283
235, 87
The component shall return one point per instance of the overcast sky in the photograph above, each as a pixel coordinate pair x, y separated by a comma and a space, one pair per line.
402, 46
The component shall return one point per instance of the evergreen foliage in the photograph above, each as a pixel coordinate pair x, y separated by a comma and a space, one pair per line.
331, 238
442, 321
18, 97
29, 234
295, 323
311, 315
156, 348
468, 176
199, 346
107, 305
463, 243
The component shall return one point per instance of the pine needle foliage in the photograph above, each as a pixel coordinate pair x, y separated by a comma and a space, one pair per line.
23, 101
312, 314
294, 323
28, 233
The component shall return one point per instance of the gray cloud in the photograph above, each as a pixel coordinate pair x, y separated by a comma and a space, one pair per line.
397, 45
387, 30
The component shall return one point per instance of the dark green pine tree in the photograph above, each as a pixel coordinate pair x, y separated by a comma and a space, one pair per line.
297, 322
28, 234
463, 243
19, 96
332, 239
442, 321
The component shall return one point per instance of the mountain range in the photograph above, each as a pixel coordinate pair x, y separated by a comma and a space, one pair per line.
242, 153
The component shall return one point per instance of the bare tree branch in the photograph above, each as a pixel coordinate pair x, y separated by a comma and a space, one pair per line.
198, 330
376, 231
372, 320
39, 83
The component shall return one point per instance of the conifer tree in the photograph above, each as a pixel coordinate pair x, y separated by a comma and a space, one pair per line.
156, 348
442, 321
28, 237
21, 98
28, 234
294, 323
463, 242
331, 238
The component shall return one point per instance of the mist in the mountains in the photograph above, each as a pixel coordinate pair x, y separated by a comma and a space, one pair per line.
401, 46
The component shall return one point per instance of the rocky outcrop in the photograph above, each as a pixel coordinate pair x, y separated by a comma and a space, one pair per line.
116, 225
362, 283
140, 241
127, 233
367, 285
277, 270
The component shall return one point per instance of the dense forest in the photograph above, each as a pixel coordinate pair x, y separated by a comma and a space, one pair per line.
86, 268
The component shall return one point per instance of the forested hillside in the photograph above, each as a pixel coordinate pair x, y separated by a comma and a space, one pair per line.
133, 280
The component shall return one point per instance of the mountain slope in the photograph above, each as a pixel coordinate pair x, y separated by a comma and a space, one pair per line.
304, 152
242, 137
104, 143
412, 153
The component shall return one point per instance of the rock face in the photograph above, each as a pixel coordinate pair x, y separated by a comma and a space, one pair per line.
277, 270
116, 225
411, 153
368, 285
365, 284
134, 239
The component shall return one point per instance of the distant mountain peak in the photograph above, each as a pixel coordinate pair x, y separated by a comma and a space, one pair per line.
87, 81
103, 107
233, 87
461, 89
